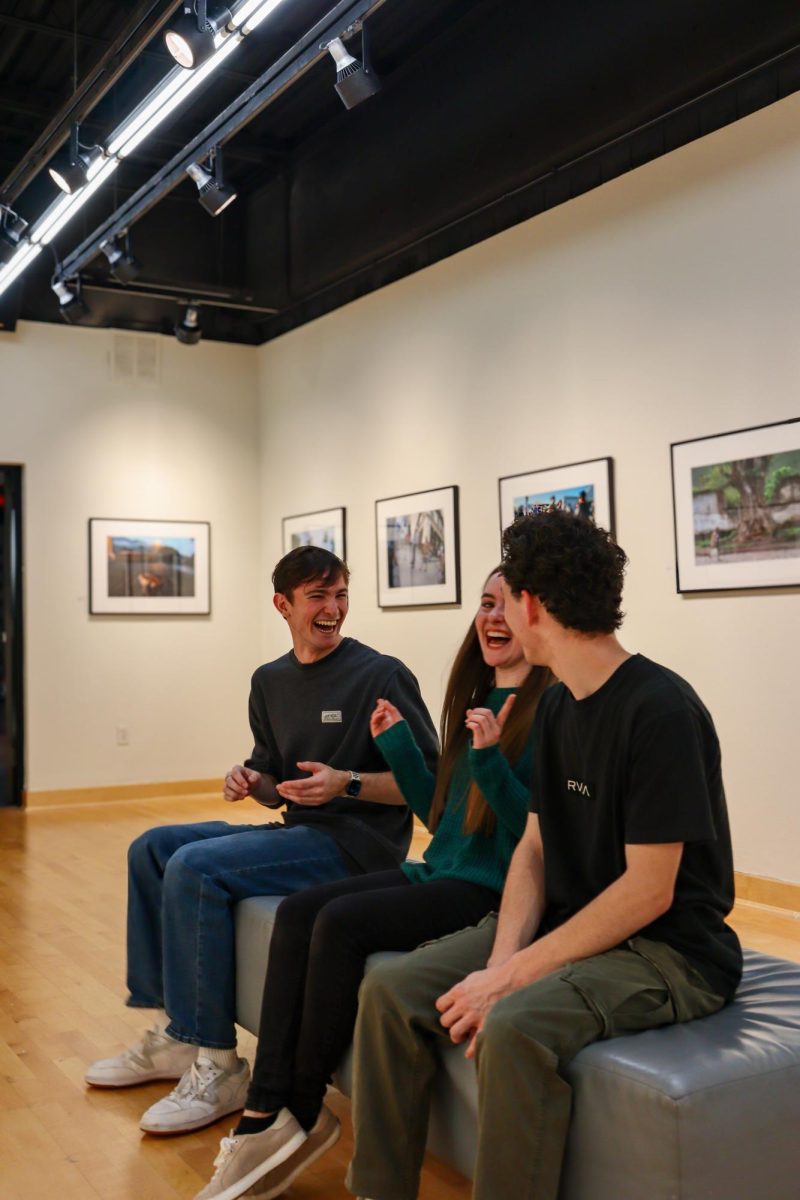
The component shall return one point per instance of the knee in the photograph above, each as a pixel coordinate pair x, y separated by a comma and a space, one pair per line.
186, 866
382, 987
333, 925
294, 920
147, 852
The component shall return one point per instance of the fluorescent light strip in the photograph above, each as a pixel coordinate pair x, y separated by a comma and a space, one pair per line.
159, 113
17, 265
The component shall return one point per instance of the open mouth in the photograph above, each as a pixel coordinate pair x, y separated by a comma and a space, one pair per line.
326, 626
495, 640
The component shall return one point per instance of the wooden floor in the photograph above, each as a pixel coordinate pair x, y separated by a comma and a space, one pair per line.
62, 903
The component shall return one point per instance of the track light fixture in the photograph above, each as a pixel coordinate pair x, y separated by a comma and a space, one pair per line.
213, 193
70, 170
192, 39
12, 231
355, 81
70, 302
187, 327
124, 267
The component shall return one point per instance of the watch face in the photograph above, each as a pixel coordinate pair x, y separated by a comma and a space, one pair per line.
354, 786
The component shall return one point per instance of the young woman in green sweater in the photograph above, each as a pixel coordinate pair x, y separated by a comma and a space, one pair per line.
476, 808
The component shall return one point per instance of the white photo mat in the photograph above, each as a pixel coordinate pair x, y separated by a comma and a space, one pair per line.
420, 558
714, 574
142, 567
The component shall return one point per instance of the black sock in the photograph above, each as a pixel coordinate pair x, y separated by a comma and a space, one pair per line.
253, 1124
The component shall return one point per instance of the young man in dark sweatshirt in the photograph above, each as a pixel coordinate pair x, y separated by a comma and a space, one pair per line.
613, 914
313, 752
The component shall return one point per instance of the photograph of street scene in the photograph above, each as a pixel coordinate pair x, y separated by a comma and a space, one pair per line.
149, 567
415, 548
324, 538
747, 510
578, 500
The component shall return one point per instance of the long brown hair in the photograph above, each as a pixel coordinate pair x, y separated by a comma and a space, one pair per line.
470, 682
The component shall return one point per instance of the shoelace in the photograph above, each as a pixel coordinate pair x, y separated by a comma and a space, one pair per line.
226, 1149
193, 1083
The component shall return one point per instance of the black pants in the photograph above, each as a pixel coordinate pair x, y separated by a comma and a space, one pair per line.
320, 942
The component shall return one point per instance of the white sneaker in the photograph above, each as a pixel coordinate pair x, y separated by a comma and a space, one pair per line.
156, 1056
205, 1093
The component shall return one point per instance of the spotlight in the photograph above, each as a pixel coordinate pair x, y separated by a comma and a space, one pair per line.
70, 169
355, 81
190, 41
70, 304
124, 267
12, 231
187, 329
213, 193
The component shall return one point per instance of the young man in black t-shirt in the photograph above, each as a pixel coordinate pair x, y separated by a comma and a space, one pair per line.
613, 914
313, 752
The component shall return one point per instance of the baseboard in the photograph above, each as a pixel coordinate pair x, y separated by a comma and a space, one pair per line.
774, 892
62, 797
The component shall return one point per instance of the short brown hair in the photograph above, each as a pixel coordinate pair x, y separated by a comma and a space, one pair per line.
305, 563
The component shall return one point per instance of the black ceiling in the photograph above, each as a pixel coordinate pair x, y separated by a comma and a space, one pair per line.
490, 112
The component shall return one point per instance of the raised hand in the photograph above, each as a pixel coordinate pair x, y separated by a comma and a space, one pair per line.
485, 726
384, 715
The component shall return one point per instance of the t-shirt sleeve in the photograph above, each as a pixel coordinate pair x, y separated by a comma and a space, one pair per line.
265, 757
667, 799
403, 691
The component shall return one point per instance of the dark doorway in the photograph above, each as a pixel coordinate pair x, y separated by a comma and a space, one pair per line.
12, 758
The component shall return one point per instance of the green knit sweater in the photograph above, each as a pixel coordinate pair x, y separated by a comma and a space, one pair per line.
452, 853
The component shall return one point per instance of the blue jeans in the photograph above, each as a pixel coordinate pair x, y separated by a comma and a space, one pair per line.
183, 884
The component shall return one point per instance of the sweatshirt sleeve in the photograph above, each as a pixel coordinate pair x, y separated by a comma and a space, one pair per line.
507, 789
406, 762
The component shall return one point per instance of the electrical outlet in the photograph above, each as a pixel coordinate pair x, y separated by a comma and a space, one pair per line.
123, 735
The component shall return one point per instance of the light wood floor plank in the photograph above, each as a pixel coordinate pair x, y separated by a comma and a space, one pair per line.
62, 991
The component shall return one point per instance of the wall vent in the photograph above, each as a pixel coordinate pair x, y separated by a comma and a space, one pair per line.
135, 358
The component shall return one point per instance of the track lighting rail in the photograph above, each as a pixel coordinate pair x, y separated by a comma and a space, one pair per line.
252, 101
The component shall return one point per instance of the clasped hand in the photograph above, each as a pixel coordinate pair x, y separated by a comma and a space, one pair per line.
317, 788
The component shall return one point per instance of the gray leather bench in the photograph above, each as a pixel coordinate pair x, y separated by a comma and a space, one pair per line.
704, 1111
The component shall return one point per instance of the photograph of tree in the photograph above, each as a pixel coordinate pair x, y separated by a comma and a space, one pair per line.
747, 508
736, 503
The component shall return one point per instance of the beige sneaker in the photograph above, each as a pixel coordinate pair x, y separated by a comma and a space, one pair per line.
156, 1056
325, 1134
246, 1158
205, 1093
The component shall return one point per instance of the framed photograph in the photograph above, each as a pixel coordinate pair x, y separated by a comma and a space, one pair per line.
418, 550
585, 487
736, 503
149, 567
325, 528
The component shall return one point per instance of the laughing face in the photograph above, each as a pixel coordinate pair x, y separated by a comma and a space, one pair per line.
315, 615
499, 647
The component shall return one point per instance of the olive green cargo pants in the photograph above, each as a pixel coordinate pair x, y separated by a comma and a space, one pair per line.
523, 1100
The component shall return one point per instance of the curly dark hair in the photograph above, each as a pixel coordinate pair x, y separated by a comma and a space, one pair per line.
573, 566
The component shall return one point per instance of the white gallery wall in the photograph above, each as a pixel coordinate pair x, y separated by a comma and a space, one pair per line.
661, 307
182, 448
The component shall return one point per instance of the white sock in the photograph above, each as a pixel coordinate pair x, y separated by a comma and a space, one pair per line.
227, 1059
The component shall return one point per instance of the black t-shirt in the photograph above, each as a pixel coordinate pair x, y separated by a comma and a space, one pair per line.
638, 761
319, 712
